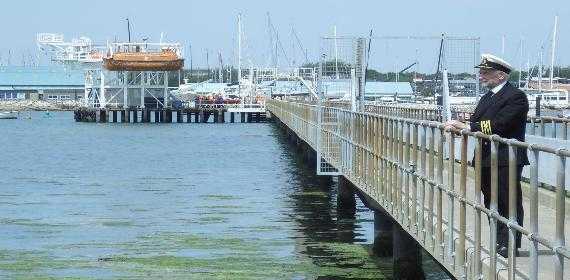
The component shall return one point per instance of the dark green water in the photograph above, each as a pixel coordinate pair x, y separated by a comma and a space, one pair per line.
176, 201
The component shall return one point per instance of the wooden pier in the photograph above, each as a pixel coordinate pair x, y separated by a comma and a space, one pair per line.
185, 115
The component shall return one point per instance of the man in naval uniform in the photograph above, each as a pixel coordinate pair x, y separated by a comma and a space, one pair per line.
501, 111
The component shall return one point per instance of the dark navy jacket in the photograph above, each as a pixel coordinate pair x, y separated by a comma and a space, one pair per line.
504, 114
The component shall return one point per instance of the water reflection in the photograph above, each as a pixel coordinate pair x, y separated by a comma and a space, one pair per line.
313, 201
325, 228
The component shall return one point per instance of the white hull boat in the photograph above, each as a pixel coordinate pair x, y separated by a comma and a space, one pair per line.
8, 115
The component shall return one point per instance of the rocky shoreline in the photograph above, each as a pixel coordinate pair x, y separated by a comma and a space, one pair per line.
39, 105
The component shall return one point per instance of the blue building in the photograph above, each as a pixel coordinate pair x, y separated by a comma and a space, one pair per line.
51, 83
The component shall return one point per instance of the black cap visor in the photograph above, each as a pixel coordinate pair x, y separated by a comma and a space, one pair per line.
492, 65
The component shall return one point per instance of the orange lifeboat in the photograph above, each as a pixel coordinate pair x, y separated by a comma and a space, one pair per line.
166, 60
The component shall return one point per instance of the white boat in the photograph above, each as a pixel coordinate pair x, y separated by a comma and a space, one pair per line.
549, 97
8, 115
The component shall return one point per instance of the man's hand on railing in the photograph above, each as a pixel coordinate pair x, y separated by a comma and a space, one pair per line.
455, 124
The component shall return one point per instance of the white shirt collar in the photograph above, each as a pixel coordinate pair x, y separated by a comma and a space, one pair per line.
499, 87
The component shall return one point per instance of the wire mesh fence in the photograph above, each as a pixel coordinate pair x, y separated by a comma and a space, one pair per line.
400, 67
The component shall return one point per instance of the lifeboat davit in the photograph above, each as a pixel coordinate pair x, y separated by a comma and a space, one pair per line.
166, 60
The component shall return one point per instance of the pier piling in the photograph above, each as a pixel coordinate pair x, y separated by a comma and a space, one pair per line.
346, 201
383, 234
179, 116
216, 116
406, 255
103, 116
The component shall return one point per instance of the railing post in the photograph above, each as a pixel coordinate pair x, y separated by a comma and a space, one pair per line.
431, 189
414, 168
513, 181
542, 127
407, 175
534, 161
401, 170
424, 184
460, 250
439, 198
493, 207
450, 201
560, 215
554, 128
477, 195
392, 159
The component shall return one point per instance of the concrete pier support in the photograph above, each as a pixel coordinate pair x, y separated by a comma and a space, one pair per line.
156, 116
179, 117
346, 201
145, 115
222, 116
135, 115
127, 115
407, 256
103, 116
168, 117
123, 116
383, 234
390, 240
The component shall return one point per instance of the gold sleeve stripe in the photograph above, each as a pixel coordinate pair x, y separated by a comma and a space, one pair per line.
486, 127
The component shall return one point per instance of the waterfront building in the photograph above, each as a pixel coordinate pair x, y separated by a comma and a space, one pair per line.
50, 83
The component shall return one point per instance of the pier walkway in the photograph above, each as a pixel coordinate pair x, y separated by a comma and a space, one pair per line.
420, 175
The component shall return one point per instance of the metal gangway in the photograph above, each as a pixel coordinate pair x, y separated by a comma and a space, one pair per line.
420, 175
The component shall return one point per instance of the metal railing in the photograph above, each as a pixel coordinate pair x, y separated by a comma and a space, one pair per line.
409, 167
558, 127
544, 126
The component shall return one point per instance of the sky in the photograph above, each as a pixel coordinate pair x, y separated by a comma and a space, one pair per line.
211, 26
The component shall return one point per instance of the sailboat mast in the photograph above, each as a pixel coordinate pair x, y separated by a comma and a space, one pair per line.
335, 52
521, 60
553, 51
129, 29
540, 70
528, 71
239, 50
